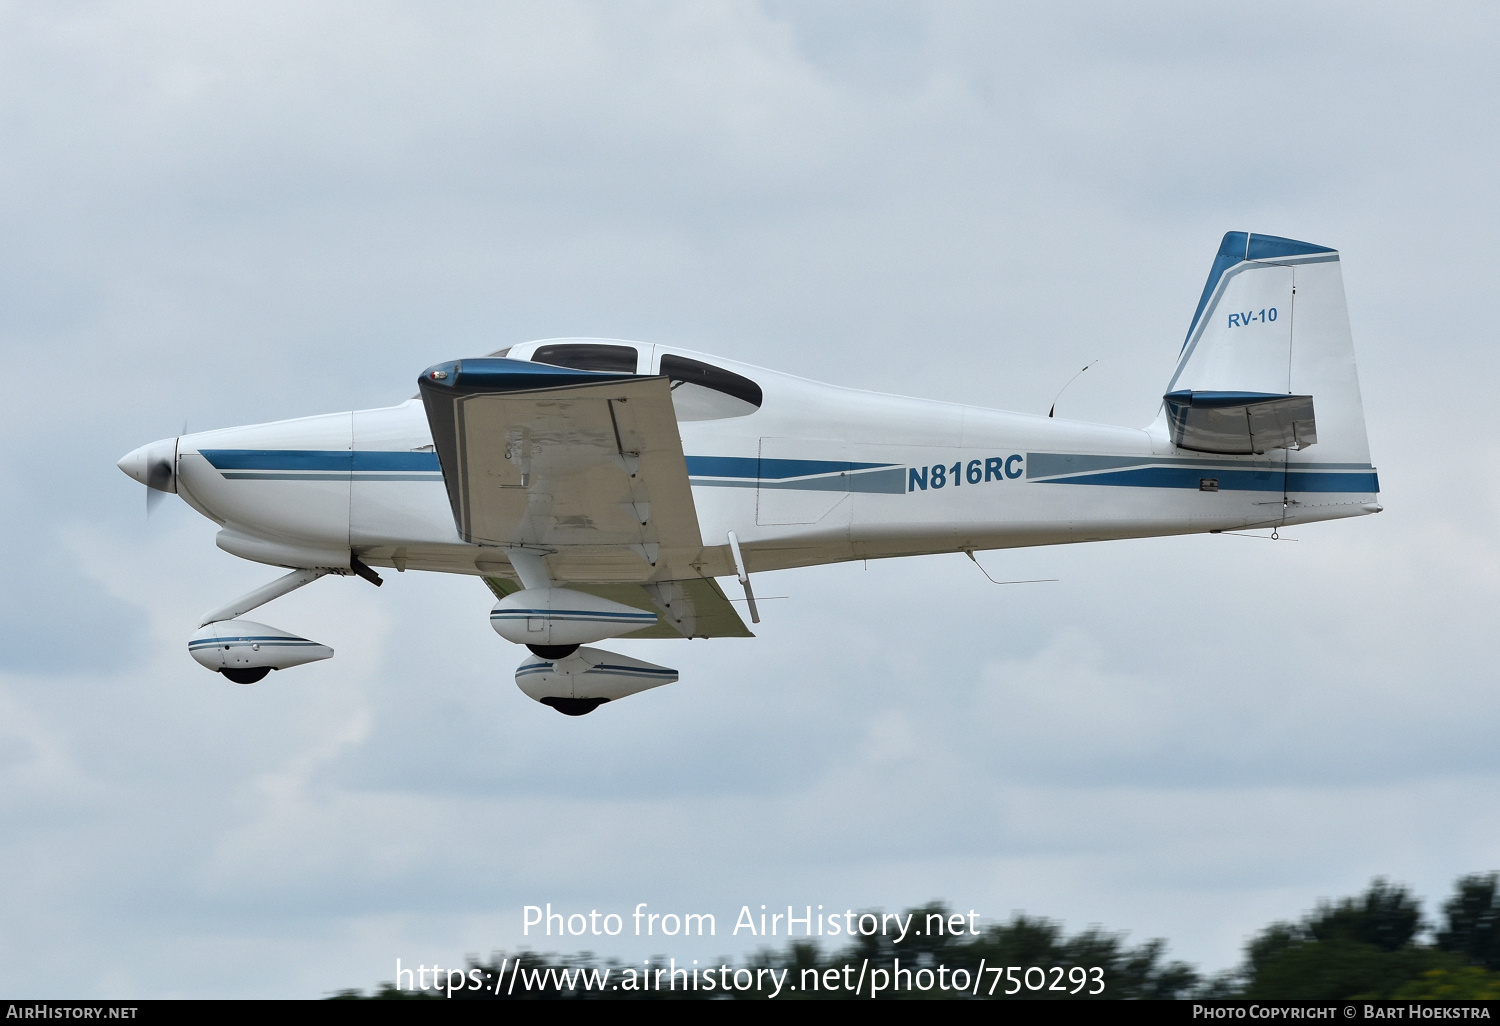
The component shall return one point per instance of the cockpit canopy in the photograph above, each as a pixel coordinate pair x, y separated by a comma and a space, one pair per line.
700, 390
594, 356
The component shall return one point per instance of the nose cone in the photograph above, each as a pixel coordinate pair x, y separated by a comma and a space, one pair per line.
134, 463
154, 465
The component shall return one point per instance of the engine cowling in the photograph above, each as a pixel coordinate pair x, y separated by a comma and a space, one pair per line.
245, 651
561, 616
588, 678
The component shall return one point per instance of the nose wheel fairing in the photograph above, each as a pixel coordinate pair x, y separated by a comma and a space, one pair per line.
245, 651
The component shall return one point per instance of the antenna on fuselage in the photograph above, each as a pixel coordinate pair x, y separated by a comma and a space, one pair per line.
1060, 391
1044, 580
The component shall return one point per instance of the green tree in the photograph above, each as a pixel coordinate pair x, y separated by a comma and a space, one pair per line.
1370, 947
1465, 983
1384, 917
1473, 927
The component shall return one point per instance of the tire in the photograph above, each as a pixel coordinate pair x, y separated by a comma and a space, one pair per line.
574, 706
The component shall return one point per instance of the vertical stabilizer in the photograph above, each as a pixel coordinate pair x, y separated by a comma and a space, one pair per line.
1273, 321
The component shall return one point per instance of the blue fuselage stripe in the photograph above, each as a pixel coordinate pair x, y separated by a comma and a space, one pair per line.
347, 460
1228, 480
377, 465
755, 468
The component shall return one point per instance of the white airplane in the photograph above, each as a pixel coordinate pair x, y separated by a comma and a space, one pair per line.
599, 487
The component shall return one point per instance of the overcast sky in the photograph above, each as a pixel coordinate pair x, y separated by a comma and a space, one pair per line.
225, 214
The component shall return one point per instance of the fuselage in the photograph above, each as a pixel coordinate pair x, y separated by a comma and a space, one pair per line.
810, 474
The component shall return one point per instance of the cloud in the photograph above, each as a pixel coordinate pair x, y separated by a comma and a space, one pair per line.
259, 212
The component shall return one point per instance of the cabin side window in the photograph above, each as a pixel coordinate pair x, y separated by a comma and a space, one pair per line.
592, 356
701, 391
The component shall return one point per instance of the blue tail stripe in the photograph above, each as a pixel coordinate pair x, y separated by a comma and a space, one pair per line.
1237, 247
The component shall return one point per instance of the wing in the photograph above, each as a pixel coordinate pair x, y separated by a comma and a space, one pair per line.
584, 464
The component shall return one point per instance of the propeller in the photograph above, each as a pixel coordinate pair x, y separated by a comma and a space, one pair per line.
160, 479
158, 482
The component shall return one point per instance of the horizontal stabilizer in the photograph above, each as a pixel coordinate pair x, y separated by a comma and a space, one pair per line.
1240, 423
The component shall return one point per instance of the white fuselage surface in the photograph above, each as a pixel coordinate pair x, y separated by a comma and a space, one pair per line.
589, 480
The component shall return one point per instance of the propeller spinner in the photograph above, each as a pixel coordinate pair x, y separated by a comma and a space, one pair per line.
155, 466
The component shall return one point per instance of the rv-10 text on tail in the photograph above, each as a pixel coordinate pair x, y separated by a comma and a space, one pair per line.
600, 487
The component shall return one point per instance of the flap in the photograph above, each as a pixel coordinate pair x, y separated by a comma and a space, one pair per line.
1240, 423
692, 608
560, 458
